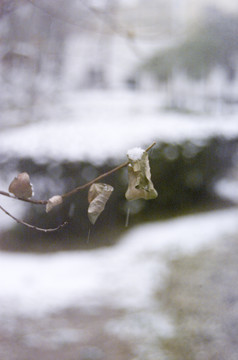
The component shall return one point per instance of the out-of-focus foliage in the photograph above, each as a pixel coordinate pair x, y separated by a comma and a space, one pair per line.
6, 6
211, 44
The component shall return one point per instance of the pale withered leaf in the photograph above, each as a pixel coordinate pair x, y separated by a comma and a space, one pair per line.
98, 196
140, 185
53, 201
21, 186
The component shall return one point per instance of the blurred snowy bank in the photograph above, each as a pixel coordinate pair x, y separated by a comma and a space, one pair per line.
125, 276
98, 125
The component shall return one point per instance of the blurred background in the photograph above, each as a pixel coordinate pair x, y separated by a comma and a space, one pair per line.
82, 82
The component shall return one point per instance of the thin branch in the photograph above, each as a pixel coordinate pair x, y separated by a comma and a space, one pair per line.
82, 22
74, 191
104, 17
84, 186
78, 188
150, 147
36, 202
107, 19
32, 226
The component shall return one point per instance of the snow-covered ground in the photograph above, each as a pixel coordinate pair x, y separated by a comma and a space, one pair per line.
228, 188
125, 276
100, 125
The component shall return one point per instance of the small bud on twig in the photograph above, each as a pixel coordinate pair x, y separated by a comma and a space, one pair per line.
53, 201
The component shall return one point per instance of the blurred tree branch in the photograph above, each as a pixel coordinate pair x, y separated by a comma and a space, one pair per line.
7, 6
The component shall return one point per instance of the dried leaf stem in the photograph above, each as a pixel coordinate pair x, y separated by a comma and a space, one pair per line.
32, 226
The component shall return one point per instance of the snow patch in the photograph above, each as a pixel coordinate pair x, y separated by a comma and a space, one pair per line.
135, 153
95, 126
228, 189
125, 276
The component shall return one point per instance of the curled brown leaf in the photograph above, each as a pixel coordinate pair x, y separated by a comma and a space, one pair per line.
98, 196
21, 186
140, 185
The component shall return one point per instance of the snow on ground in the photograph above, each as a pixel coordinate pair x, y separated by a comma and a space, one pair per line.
227, 188
99, 125
125, 276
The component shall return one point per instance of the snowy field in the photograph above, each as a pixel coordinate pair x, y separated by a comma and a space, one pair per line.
124, 279
100, 125
125, 276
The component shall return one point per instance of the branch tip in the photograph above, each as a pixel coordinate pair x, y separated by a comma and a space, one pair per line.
33, 226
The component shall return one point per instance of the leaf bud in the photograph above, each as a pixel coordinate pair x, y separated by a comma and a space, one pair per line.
53, 201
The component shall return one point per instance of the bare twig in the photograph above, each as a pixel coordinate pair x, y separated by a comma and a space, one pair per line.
150, 147
78, 188
81, 22
84, 186
74, 191
32, 201
32, 226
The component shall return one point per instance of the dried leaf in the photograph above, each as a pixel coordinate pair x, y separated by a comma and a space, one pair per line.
52, 202
98, 196
21, 186
140, 185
